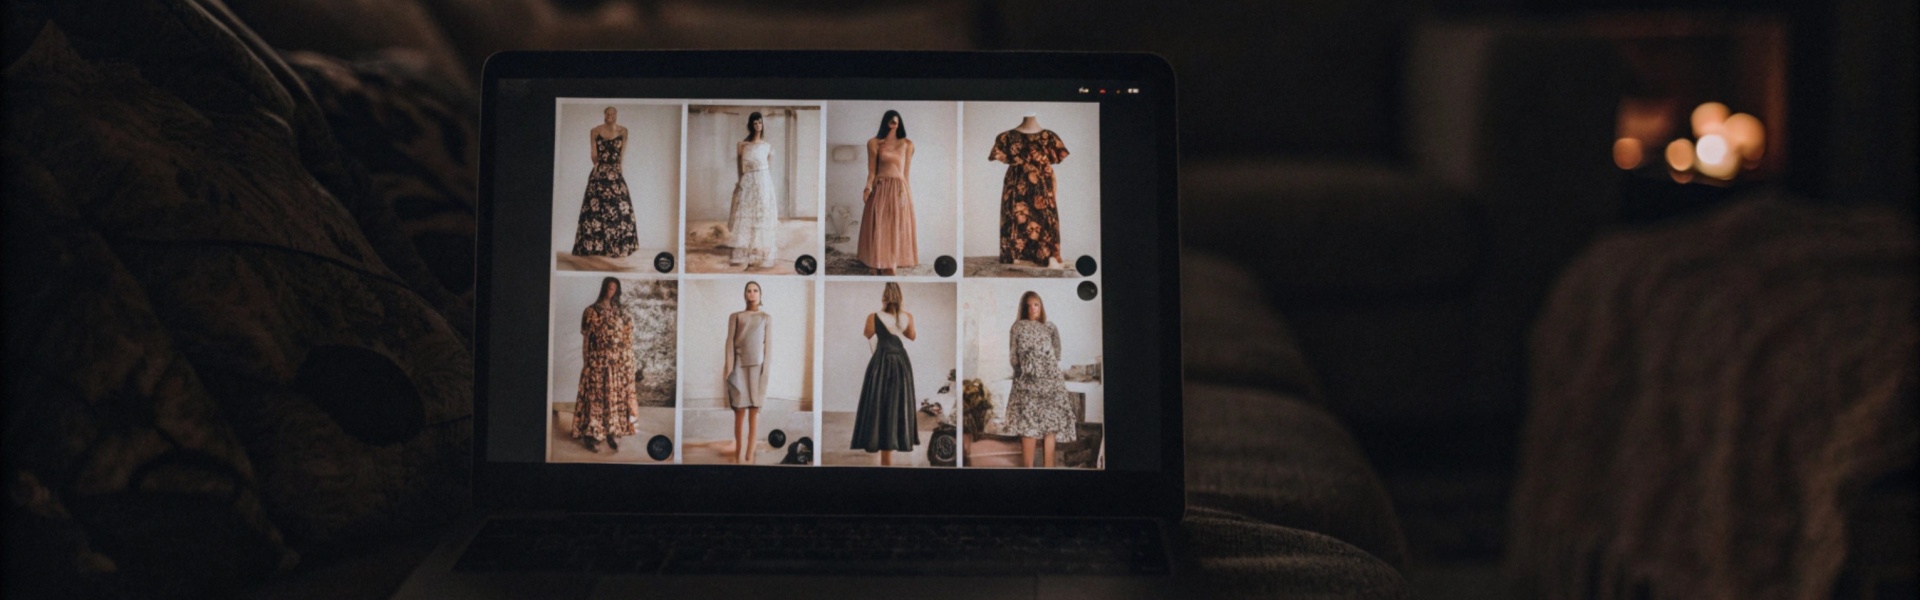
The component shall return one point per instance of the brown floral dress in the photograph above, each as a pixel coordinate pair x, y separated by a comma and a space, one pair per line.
608, 397
1029, 216
606, 214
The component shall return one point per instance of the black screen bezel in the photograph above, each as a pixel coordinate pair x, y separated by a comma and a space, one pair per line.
1145, 309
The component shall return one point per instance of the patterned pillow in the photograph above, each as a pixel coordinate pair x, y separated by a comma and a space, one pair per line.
231, 343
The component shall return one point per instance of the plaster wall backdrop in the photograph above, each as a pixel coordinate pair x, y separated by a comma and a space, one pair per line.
650, 164
705, 305
653, 300
932, 126
1077, 179
989, 308
713, 134
847, 351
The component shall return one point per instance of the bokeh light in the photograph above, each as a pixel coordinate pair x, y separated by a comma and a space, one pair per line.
1628, 153
1708, 118
1716, 159
1747, 137
1680, 154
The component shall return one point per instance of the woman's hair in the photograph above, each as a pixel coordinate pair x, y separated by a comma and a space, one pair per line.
1042, 317
900, 133
890, 299
751, 119
610, 281
754, 284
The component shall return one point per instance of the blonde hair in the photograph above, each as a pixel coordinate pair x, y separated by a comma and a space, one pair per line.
890, 299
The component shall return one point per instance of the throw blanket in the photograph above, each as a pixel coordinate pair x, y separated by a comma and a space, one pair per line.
1709, 397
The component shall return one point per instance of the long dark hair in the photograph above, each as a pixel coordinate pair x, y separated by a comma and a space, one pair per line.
750, 121
1042, 317
900, 133
615, 300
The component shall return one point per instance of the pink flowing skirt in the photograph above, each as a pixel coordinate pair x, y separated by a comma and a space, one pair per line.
886, 226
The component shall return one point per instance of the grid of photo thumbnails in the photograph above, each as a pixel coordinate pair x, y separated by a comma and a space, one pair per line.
826, 283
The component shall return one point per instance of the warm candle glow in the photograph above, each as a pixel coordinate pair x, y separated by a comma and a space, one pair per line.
1708, 118
1627, 153
1712, 149
1747, 136
1680, 154
1715, 158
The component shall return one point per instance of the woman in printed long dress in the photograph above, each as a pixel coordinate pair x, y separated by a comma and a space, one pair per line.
1038, 409
606, 213
609, 399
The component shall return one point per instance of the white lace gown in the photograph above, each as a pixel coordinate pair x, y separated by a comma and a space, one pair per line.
754, 226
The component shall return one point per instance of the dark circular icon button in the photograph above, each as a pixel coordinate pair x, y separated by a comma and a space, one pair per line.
944, 449
805, 265
1086, 266
777, 438
663, 262
659, 447
1088, 290
945, 266
800, 453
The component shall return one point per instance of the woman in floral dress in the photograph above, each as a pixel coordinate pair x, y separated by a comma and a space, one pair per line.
609, 399
1038, 409
606, 213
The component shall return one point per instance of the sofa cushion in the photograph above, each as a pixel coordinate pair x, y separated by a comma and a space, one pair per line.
1231, 335
1244, 557
1275, 458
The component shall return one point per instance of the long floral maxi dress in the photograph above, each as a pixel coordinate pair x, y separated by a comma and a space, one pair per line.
606, 214
1029, 214
1038, 404
609, 397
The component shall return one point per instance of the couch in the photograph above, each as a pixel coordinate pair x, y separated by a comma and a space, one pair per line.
239, 323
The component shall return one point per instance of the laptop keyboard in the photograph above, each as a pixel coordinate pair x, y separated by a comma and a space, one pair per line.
803, 545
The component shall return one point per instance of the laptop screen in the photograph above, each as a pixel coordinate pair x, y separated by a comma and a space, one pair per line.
814, 273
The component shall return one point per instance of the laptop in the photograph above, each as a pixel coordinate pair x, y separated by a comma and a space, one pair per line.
809, 324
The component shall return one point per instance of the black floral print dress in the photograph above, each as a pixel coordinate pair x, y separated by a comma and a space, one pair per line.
1029, 215
606, 215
